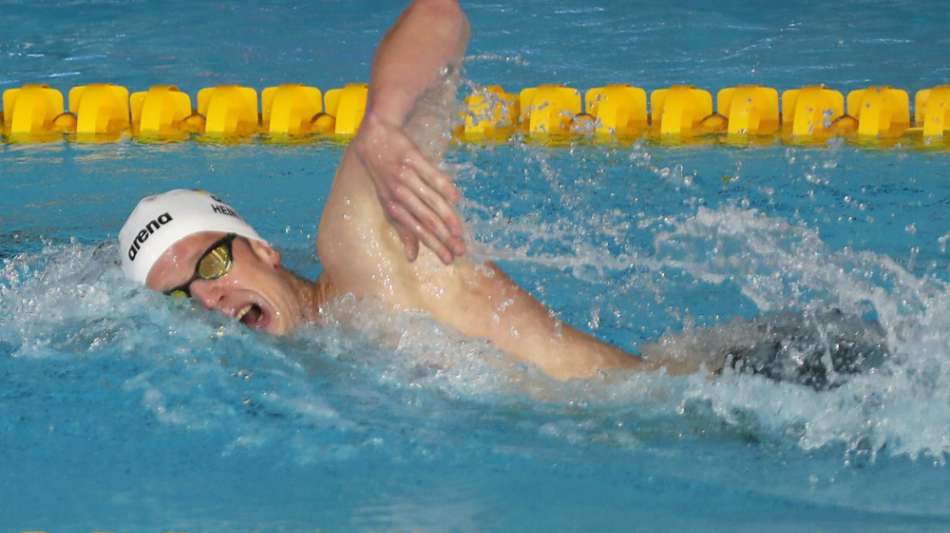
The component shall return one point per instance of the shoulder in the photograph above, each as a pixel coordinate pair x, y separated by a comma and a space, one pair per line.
358, 250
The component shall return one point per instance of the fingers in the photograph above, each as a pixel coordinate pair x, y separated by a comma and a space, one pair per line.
418, 198
409, 241
428, 221
437, 179
436, 246
402, 216
433, 211
437, 191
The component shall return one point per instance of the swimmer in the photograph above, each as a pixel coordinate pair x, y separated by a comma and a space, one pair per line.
387, 196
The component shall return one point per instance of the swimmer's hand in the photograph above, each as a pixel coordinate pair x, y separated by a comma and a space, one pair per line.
417, 198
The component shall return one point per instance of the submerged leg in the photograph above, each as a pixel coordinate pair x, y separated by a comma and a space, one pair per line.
820, 351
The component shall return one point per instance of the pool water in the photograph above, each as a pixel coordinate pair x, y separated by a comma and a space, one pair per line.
122, 410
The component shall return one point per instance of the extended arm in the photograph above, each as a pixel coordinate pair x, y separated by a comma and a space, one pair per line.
363, 255
416, 196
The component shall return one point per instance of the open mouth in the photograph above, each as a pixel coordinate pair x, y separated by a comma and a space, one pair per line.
251, 315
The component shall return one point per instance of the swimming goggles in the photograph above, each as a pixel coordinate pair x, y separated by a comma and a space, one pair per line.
215, 263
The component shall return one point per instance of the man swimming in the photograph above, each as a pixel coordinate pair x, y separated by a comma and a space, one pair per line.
387, 195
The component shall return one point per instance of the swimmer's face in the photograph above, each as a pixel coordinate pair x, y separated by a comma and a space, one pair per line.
255, 290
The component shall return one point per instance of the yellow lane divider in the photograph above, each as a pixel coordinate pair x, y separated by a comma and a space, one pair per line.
103, 112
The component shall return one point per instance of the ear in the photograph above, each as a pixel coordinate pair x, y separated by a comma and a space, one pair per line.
265, 252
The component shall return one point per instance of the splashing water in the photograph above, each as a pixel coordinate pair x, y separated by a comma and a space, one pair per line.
116, 403
608, 243
776, 265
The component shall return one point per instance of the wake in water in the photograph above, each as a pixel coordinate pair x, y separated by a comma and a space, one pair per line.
850, 347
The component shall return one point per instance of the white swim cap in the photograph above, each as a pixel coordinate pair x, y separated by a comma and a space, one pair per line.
161, 220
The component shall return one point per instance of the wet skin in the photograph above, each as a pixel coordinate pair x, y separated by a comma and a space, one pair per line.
257, 290
365, 235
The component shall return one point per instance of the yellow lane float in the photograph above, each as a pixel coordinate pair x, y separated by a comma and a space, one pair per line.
751, 110
490, 113
103, 112
548, 110
347, 105
619, 110
101, 109
880, 111
160, 112
229, 110
289, 109
31, 110
932, 111
679, 110
810, 112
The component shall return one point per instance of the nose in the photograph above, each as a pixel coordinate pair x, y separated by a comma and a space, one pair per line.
207, 293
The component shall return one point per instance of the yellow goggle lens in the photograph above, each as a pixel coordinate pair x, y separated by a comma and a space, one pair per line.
215, 263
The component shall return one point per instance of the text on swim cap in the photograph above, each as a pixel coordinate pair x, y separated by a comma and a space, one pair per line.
223, 210
150, 228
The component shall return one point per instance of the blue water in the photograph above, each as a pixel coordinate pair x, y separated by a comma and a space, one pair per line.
124, 411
